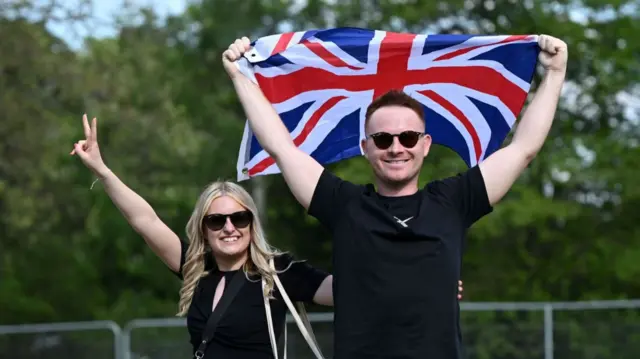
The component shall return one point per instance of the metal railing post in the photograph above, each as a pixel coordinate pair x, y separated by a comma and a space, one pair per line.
146, 323
548, 331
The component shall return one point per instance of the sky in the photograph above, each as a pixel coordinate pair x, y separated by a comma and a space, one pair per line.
103, 11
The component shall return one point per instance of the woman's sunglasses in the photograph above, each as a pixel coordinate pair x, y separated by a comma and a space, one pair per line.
384, 140
216, 222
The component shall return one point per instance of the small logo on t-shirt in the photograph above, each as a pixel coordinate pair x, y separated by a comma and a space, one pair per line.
403, 222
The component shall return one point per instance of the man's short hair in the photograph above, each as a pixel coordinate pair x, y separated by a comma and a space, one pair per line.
394, 98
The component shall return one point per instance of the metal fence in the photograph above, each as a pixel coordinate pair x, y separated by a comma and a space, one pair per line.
565, 330
96, 340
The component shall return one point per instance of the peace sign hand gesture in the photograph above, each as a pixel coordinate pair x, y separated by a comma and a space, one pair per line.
88, 150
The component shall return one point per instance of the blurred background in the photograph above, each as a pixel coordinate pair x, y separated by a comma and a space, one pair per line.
552, 273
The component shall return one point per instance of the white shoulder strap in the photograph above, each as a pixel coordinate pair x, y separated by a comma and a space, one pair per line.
303, 325
272, 337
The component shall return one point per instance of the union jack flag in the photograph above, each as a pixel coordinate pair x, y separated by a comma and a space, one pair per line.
320, 82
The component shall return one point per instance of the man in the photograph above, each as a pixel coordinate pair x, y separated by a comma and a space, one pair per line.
397, 248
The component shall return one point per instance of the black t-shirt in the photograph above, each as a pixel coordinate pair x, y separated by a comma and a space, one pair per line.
242, 332
396, 265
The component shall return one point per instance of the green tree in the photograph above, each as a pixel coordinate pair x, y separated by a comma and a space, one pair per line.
169, 123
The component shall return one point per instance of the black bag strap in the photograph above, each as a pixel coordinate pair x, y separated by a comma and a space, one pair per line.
227, 297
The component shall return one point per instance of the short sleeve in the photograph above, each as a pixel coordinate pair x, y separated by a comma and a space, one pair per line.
467, 193
299, 278
208, 261
183, 255
330, 197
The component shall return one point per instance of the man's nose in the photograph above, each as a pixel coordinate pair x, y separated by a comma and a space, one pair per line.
396, 147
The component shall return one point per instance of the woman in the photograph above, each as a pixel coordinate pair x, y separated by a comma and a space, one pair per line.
225, 238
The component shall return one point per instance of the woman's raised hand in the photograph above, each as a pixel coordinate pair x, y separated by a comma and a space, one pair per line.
88, 149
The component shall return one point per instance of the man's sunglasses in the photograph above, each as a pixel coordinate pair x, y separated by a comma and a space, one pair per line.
384, 140
216, 222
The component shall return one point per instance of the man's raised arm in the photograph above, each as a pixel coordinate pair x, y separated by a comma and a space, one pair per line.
501, 169
300, 170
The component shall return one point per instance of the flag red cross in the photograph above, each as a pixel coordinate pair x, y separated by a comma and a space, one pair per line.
392, 73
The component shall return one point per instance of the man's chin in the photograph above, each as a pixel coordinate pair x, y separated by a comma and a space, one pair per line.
396, 180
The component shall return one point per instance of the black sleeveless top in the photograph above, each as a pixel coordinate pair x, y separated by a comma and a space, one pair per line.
242, 332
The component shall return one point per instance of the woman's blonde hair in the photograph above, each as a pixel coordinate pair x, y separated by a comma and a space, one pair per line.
260, 252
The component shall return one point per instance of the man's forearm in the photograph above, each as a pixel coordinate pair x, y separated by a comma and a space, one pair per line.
535, 124
263, 118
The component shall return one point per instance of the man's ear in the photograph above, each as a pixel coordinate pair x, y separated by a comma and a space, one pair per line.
427, 144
